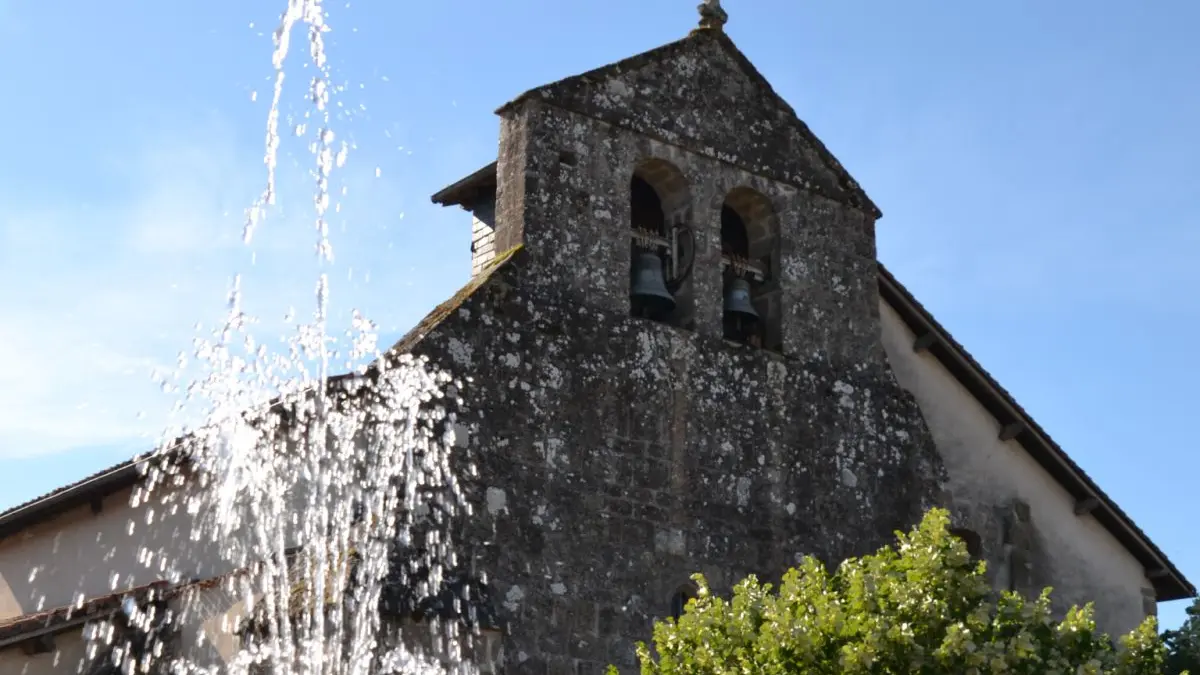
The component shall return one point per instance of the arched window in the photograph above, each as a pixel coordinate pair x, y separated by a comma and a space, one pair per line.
750, 258
661, 248
971, 538
680, 599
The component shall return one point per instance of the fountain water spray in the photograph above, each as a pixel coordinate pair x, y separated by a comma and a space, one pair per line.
301, 488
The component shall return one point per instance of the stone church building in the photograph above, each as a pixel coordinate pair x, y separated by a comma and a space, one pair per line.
683, 356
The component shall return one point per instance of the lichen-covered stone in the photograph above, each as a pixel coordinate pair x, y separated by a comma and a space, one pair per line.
702, 94
608, 457
573, 222
616, 456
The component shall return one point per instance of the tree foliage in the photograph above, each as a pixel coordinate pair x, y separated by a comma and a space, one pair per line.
1183, 645
920, 606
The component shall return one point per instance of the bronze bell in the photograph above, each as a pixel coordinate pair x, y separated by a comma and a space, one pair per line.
737, 301
648, 288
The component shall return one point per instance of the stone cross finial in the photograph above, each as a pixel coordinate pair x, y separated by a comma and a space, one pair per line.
712, 15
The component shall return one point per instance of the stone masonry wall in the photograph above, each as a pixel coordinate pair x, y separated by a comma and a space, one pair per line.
613, 457
607, 457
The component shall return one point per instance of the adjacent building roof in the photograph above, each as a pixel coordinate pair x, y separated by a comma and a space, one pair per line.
85, 491
49, 622
1017, 424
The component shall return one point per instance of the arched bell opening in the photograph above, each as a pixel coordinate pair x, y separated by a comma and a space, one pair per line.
661, 246
749, 260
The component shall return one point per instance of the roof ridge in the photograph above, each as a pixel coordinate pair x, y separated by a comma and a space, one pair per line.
635, 60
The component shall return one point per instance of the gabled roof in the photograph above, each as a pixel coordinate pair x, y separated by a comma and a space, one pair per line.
442, 311
765, 134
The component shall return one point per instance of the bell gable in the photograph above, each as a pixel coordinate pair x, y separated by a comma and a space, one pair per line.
702, 94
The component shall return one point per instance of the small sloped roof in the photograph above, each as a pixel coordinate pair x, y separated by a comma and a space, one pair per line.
566, 93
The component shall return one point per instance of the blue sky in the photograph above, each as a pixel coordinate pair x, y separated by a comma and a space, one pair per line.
1035, 162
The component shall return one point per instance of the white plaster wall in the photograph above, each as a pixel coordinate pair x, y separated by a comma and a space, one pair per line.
1078, 557
483, 237
78, 553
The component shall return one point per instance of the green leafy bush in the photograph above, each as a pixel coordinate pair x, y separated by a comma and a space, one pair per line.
1183, 645
921, 606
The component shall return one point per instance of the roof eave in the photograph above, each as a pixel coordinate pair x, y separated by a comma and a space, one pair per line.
1169, 582
462, 191
59, 620
90, 491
